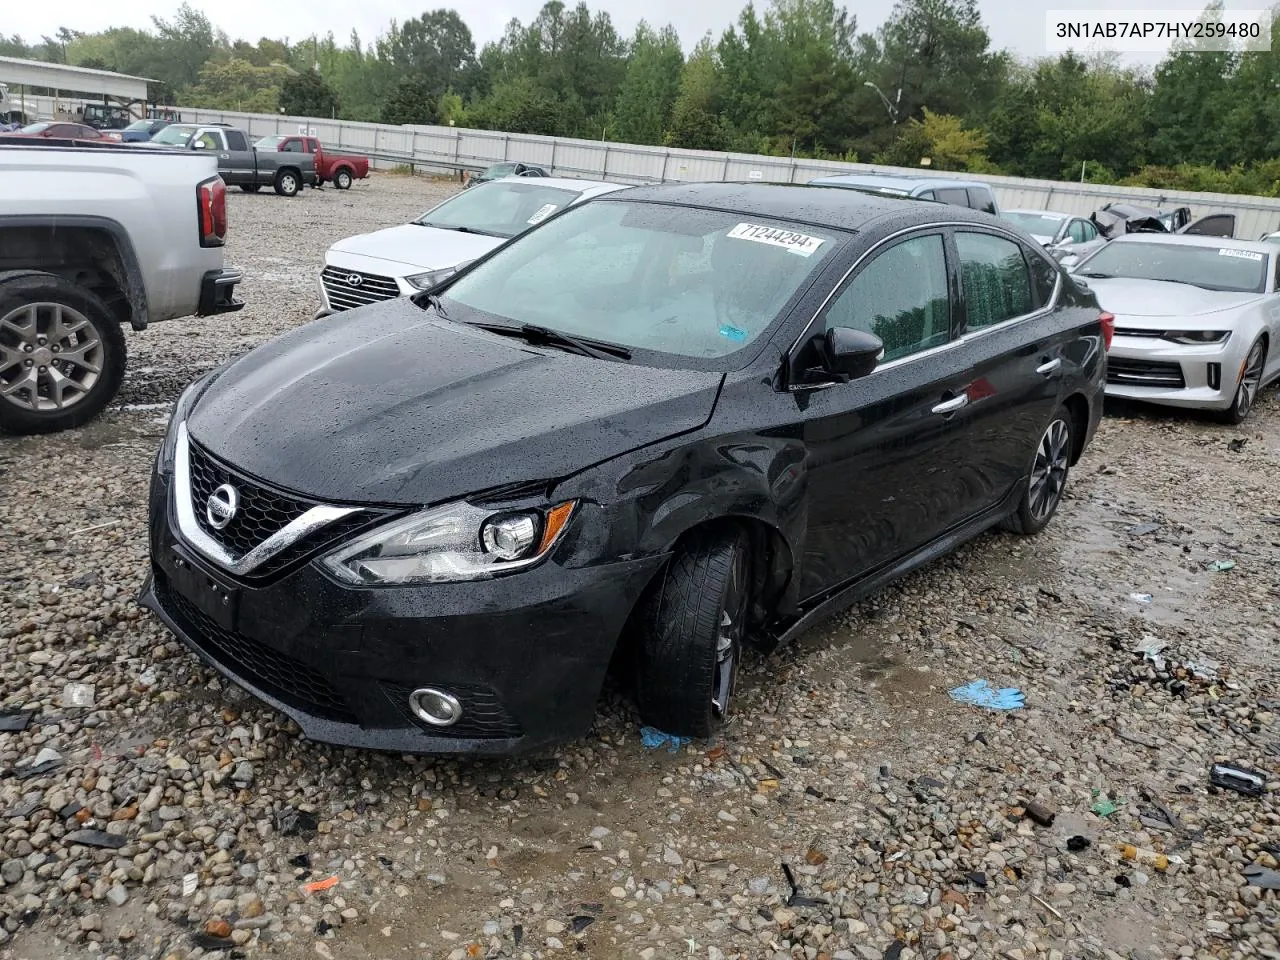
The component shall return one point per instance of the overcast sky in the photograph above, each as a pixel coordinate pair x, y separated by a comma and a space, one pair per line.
1017, 25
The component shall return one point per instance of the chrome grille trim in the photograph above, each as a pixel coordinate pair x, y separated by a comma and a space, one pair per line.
343, 295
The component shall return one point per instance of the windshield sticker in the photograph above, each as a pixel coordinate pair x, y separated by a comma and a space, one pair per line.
733, 333
1241, 254
546, 210
797, 243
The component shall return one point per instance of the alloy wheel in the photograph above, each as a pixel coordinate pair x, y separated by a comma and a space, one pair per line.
51, 356
1251, 380
733, 617
1049, 472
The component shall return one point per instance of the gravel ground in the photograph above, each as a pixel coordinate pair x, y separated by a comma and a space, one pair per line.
852, 811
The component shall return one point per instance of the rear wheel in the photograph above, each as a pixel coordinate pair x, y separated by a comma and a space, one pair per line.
1249, 385
342, 179
1043, 490
691, 630
287, 183
62, 354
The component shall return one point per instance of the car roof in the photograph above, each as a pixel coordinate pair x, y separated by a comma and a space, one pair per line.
903, 181
1194, 240
819, 205
567, 183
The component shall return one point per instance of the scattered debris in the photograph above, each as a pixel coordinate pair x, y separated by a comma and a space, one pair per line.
46, 760
319, 886
1045, 904
894, 950
1077, 843
1249, 782
815, 857
581, 923
1259, 876
96, 838
1142, 529
797, 899
980, 693
1236, 444
1160, 861
1040, 814
1141, 597
978, 879
189, 884
292, 822
1150, 647
77, 695
1221, 566
15, 721
653, 738
1104, 808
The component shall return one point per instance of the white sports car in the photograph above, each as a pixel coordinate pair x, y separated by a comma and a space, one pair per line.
1197, 319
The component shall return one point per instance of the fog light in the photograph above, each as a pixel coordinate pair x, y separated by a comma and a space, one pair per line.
1215, 376
435, 707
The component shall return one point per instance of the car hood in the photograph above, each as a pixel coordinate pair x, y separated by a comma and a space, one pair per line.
392, 404
1042, 238
1159, 298
418, 248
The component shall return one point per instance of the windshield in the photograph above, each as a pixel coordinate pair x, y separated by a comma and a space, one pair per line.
697, 284
501, 209
140, 125
1039, 224
499, 170
175, 135
269, 143
1213, 268
35, 128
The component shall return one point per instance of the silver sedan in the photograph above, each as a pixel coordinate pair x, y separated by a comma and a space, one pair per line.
1067, 238
1197, 319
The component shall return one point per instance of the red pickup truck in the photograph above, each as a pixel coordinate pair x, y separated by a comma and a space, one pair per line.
338, 168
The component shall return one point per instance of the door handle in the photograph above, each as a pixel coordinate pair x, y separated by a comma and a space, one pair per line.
1049, 368
224, 156
947, 407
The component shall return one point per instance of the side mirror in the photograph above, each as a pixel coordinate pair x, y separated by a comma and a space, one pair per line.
851, 353
198, 145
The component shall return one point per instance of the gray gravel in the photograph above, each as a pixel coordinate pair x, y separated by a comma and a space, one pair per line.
179, 818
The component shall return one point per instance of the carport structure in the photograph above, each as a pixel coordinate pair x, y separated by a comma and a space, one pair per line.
116, 89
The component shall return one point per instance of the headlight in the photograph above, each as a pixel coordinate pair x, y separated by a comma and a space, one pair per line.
181, 409
425, 281
1193, 337
454, 542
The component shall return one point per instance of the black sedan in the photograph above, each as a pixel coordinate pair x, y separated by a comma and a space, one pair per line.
665, 422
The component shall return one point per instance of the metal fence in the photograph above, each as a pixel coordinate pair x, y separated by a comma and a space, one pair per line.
446, 149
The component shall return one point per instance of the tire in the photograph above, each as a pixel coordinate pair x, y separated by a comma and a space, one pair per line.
79, 325
251, 188
691, 626
1249, 386
288, 183
342, 179
1048, 477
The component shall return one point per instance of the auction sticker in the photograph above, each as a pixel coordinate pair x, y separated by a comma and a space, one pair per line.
544, 211
798, 243
1240, 254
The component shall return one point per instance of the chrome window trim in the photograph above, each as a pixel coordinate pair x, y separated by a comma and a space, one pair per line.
965, 338
189, 527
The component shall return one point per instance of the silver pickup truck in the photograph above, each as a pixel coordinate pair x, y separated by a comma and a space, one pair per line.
240, 163
94, 238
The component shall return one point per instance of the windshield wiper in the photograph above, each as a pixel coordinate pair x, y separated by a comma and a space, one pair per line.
554, 338
444, 226
1097, 276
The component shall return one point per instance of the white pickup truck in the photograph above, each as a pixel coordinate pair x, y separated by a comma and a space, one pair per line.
93, 239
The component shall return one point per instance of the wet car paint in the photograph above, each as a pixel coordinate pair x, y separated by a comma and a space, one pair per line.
841, 487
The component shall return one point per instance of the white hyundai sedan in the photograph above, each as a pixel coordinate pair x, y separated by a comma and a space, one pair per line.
403, 260
1197, 319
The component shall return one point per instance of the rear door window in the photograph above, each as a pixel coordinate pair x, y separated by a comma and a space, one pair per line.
1076, 231
1088, 229
981, 199
908, 317
957, 195
236, 140
995, 279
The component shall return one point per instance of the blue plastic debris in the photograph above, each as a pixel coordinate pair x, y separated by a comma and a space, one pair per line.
653, 738
732, 332
980, 693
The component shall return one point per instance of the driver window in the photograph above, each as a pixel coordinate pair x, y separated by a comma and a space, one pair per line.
1089, 231
208, 140
901, 297
1076, 230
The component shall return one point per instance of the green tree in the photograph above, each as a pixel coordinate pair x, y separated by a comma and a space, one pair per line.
183, 46
306, 94
943, 139
236, 85
521, 105
438, 49
412, 100
650, 87
695, 120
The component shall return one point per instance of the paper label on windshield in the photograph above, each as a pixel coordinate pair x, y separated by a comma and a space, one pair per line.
1240, 254
797, 243
544, 211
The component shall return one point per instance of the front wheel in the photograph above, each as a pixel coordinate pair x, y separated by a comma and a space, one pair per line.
1043, 490
62, 354
287, 183
342, 179
691, 629
1249, 385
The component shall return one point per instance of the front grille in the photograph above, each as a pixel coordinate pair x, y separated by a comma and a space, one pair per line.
262, 512
285, 678
343, 294
483, 715
1135, 332
1123, 371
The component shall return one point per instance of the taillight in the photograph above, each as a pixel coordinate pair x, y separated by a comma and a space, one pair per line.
1108, 322
211, 201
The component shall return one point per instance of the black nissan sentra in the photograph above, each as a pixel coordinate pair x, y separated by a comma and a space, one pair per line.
665, 423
